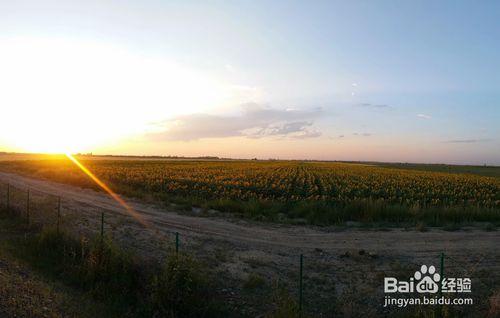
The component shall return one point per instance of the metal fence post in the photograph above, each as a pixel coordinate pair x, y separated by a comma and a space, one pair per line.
8, 197
301, 284
439, 309
177, 242
58, 213
28, 207
102, 226
441, 272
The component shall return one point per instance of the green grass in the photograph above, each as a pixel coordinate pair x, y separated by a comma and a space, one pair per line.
182, 289
285, 305
98, 266
367, 211
254, 281
179, 288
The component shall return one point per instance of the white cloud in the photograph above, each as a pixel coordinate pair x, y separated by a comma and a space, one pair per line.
255, 121
373, 106
424, 116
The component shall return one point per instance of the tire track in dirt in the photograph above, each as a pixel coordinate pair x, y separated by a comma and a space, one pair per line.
265, 234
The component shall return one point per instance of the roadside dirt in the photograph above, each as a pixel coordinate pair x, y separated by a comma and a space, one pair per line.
344, 267
25, 293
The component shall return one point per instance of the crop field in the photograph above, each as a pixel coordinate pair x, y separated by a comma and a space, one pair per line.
378, 222
489, 171
309, 192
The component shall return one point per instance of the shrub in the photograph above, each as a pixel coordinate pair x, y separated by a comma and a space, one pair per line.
106, 267
101, 267
285, 305
181, 289
254, 281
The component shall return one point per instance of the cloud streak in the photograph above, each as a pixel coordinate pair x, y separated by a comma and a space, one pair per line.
362, 134
466, 141
374, 106
254, 121
424, 116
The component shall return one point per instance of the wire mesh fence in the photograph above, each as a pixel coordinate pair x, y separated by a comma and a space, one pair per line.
324, 283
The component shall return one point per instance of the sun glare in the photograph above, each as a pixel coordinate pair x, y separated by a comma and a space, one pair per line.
65, 96
108, 190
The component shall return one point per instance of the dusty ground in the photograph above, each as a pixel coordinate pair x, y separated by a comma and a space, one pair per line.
24, 293
343, 267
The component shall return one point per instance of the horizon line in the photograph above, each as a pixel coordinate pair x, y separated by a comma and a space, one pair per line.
215, 158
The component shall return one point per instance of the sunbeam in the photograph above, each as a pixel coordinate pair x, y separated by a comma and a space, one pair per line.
115, 196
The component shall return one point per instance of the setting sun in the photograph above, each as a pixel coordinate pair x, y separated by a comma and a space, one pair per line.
69, 96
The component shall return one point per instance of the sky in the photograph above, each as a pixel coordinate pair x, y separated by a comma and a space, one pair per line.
399, 81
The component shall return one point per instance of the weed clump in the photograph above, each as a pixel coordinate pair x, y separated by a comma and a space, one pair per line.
181, 289
285, 305
98, 266
254, 281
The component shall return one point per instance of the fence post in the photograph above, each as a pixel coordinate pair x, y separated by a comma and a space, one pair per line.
8, 197
440, 309
441, 272
28, 207
58, 213
176, 242
102, 226
301, 284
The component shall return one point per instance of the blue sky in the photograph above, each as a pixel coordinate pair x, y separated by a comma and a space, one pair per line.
360, 80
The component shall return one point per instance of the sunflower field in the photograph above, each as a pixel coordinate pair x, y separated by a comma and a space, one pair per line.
291, 189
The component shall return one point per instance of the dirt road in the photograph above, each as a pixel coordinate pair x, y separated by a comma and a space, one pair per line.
275, 235
339, 257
